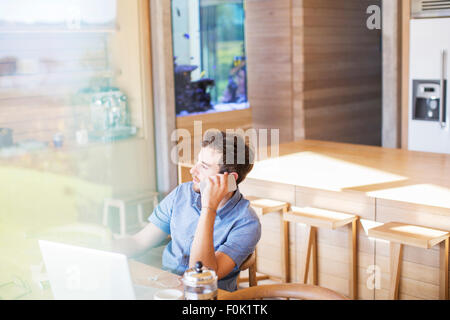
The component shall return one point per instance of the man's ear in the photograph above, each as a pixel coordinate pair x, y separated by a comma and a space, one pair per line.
236, 176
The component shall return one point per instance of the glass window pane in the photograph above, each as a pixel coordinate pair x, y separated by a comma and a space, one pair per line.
72, 126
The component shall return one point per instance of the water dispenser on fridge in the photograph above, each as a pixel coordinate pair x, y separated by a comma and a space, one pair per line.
427, 100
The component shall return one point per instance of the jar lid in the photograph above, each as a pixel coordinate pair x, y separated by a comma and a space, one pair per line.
199, 275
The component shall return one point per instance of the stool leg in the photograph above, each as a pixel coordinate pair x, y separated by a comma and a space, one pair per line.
306, 253
252, 281
256, 258
443, 285
315, 279
252, 278
285, 248
353, 263
396, 259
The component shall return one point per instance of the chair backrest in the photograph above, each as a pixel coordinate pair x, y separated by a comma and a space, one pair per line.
285, 290
184, 174
251, 259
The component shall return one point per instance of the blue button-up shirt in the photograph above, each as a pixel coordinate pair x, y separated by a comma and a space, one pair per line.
237, 230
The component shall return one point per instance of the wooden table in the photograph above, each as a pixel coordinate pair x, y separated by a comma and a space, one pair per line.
377, 184
141, 274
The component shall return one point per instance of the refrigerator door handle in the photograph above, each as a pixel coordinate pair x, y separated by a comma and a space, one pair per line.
443, 104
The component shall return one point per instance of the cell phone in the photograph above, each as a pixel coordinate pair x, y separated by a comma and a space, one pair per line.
231, 184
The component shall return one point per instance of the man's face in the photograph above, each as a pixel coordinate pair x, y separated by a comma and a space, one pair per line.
206, 166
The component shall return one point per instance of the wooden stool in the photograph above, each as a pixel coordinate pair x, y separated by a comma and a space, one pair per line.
399, 234
263, 206
319, 218
123, 202
250, 264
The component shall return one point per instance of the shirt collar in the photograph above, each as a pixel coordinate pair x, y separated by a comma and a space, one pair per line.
231, 203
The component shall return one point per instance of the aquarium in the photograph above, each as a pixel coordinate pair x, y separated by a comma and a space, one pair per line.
209, 56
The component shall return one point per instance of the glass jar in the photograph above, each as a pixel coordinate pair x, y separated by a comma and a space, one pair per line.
200, 283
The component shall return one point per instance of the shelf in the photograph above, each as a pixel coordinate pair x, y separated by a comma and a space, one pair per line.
51, 30
104, 73
13, 155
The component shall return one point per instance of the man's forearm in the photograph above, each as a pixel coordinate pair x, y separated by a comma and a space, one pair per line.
149, 237
203, 244
127, 246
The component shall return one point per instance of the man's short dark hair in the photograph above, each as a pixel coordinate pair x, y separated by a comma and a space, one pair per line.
237, 156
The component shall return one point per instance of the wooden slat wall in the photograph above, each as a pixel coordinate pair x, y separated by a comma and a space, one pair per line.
269, 56
314, 69
342, 72
298, 74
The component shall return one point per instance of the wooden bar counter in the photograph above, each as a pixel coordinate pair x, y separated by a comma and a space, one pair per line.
377, 184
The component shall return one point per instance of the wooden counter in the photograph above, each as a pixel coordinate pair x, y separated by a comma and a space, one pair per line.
377, 184
393, 174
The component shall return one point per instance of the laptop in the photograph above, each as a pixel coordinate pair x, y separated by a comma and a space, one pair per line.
78, 273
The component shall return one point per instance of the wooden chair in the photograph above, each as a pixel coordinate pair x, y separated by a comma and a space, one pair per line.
284, 290
250, 265
319, 218
399, 234
263, 206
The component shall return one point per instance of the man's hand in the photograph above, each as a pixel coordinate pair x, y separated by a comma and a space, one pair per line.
216, 189
132, 246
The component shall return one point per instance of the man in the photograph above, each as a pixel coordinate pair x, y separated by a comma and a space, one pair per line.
216, 227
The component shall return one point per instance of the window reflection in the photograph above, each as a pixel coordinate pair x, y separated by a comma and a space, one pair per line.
57, 76
71, 114
31, 15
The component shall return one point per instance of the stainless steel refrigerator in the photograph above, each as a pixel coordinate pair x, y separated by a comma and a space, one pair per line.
428, 127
